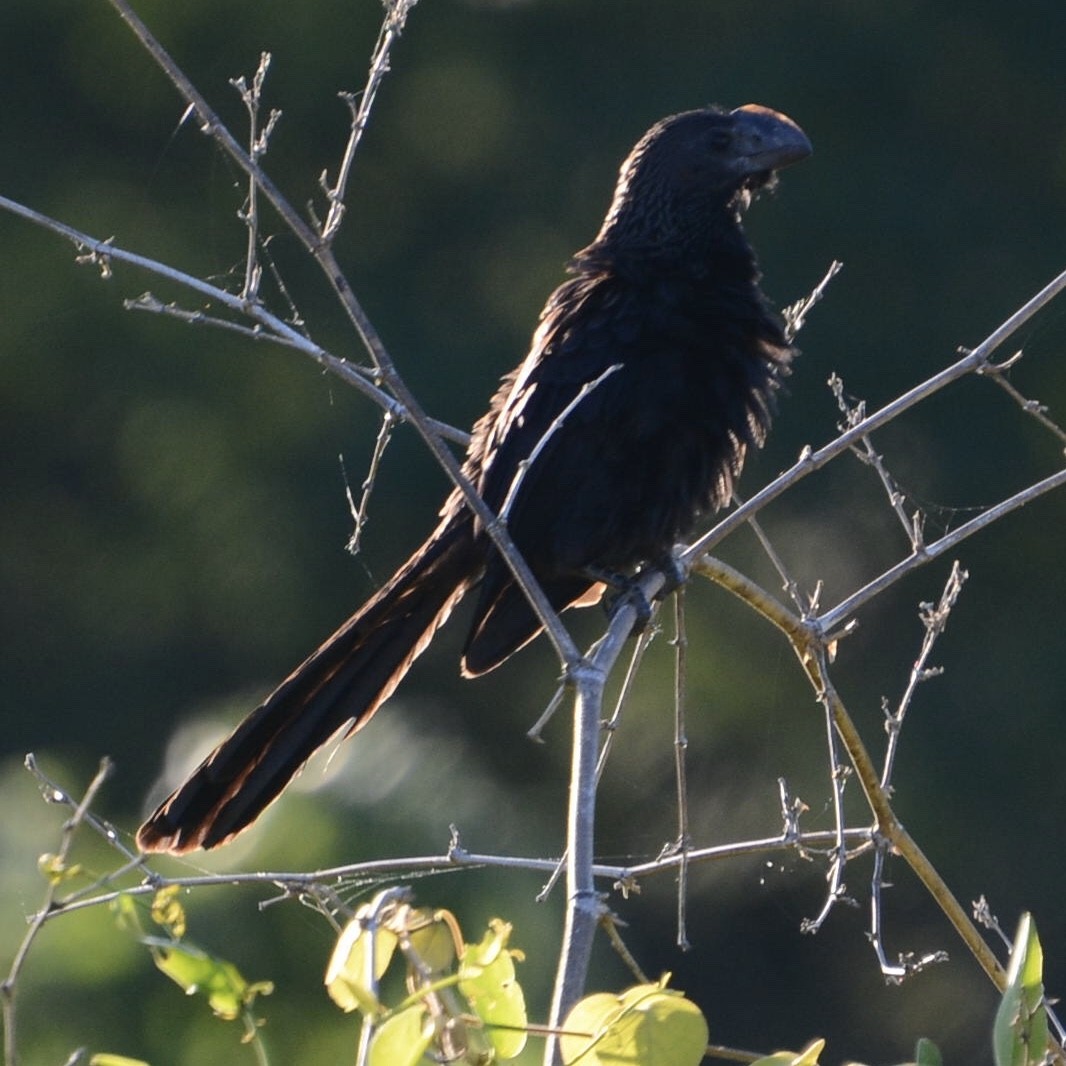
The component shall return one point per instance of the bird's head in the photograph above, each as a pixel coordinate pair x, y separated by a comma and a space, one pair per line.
695, 169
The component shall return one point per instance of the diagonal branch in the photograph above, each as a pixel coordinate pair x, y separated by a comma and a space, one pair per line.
834, 618
386, 373
396, 12
56, 872
267, 327
812, 653
810, 461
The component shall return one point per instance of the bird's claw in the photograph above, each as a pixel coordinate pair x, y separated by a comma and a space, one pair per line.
674, 572
627, 589
630, 594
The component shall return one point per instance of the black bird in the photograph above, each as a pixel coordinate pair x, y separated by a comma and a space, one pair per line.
667, 294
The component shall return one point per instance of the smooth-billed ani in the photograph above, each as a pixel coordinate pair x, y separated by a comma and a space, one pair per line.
667, 294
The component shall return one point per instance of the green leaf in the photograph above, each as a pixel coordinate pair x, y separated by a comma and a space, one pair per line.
127, 917
927, 1054
227, 991
807, 1057
105, 1059
434, 943
350, 980
487, 982
403, 1039
647, 1025
1020, 1033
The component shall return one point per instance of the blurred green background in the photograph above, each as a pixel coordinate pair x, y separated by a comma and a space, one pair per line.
173, 515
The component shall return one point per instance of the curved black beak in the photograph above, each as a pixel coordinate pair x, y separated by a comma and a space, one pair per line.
767, 140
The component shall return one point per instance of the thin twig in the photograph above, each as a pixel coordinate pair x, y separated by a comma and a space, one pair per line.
795, 316
997, 372
535, 730
611, 725
934, 619
396, 12
810, 460
805, 605
149, 303
684, 840
258, 141
268, 326
557, 423
838, 776
609, 924
908, 963
831, 620
807, 643
360, 512
58, 867
385, 370
854, 411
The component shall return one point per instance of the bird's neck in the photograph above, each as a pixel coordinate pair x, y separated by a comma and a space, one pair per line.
716, 254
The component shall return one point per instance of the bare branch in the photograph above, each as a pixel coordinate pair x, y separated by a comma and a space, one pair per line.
360, 512
805, 605
810, 649
854, 412
934, 619
258, 139
832, 619
907, 964
796, 316
583, 904
997, 372
396, 12
386, 372
268, 327
684, 840
838, 776
57, 869
810, 461
610, 726
557, 423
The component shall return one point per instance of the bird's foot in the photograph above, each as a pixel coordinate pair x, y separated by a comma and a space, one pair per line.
674, 572
624, 589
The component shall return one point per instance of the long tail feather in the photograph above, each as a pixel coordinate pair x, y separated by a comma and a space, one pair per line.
343, 682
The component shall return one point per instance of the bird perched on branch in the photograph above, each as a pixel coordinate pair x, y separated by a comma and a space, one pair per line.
664, 313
